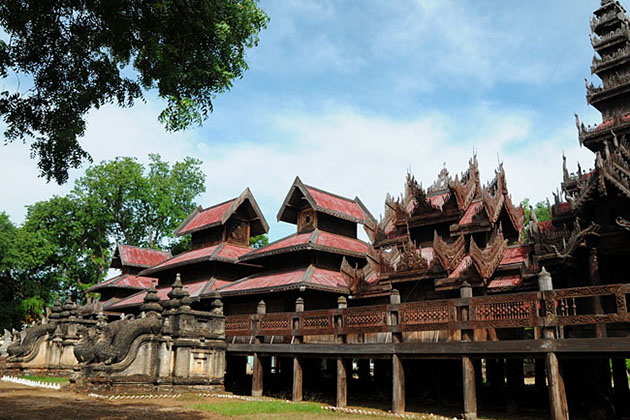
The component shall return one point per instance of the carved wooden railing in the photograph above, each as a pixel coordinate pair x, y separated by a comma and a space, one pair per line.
555, 308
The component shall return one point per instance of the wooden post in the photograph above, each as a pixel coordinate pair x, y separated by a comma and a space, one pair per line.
296, 395
342, 383
257, 372
600, 329
257, 377
557, 395
468, 368
398, 385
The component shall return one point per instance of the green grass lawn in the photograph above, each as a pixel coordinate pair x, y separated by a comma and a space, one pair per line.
51, 379
248, 408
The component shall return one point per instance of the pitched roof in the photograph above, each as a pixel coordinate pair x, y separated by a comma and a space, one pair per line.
515, 254
322, 201
195, 289
222, 252
309, 277
125, 281
133, 256
317, 240
219, 214
506, 281
474, 208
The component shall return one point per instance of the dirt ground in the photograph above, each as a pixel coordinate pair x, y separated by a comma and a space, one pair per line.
18, 402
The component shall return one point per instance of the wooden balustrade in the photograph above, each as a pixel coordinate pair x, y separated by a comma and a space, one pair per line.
554, 308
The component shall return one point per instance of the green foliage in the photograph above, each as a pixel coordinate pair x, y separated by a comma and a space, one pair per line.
541, 210
240, 408
76, 56
66, 243
49, 379
259, 241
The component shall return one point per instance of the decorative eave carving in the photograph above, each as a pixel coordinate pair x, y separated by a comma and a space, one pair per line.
410, 258
469, 187
449, 255
487, 260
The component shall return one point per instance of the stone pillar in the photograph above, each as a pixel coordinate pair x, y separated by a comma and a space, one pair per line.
342, 383
468, 368
398, 385
557, 396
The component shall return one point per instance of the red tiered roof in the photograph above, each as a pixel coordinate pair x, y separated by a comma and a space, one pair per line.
439, 200
133, 256
195, 289
506, 281
463, 265
311, 277
472, 210
322, 201
514, 255
221, 252
207, 217
336, 203
317, 239
126, 281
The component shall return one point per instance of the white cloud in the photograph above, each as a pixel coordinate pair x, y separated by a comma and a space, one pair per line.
342, 150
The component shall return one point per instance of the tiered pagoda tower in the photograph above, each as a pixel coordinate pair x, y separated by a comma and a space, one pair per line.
131, 260
306, 264
432, 241
587, 238
219, 236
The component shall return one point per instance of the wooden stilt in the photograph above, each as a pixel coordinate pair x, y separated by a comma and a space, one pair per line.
296, 395
470, 394
557, 396
398, 385
257, 377
342, 383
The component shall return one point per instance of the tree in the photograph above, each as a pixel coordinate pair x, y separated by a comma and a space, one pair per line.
259, 241
66, 243
541, 210
75, 56
137, 205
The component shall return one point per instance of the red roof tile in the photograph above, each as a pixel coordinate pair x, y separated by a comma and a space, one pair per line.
439, 200
233, 252
506, 281
515, 255
125, 281
194, 289
293, 240
562, 208
463, 265
141, 257
315, 277
341, 242
207, 217
266, 280
187, 256
472, 210
337, 204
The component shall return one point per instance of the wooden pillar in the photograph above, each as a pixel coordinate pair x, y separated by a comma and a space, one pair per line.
468, 368
342, 383
555, 383
557, 396
600, 329
257, 373
398, 385
296, 395
257, 377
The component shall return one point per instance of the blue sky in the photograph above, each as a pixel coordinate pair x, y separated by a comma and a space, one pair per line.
350, 95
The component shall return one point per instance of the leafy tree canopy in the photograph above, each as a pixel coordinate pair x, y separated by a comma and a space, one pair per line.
76, 55
541, 210
66, 243
259, 241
